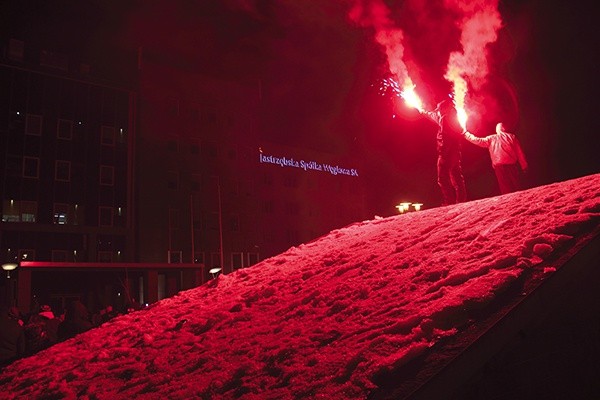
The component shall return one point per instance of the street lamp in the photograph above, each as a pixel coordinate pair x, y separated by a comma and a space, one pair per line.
9, 267
214, 271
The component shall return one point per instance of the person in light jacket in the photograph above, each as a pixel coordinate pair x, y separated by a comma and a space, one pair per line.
508, 159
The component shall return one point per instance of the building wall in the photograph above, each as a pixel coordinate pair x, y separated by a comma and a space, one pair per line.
66, 167
201, 183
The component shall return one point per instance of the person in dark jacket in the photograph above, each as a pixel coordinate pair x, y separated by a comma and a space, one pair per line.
41, 330
77, 320
506, 154
12, 337
449, 168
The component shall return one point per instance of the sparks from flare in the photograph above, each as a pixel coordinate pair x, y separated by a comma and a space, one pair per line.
407, 93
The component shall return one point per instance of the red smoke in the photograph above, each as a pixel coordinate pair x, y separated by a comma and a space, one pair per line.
375, 14
478, 22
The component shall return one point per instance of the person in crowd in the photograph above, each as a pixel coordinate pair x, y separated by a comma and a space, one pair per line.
41, 330
449, 168
12, 336
508, 159
77, 320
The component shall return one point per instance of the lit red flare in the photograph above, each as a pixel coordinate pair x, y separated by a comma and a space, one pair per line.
407, 93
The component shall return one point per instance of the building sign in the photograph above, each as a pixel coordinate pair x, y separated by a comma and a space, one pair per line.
306, 165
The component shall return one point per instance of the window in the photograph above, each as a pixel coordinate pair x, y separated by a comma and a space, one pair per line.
33, 125
175, 257
105, 256
292, 208
64, 129
292, 236
172, 144
19, 211
105, 216
174, 218
61, 214
195, 147
268, 206
28, 211
173, 180
215, 260
31, 167
62, 171
173, 107
234, 223
210, 149
196, 182
107, 135
10, 211
237, 260
107, 175
59, 255
252, 259
232, 153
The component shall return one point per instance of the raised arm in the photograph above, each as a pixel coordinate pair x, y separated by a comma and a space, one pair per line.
481, 142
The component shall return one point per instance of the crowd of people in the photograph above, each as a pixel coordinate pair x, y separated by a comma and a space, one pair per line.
24, 335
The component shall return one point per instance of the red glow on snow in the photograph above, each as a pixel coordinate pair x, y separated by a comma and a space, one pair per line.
326, 319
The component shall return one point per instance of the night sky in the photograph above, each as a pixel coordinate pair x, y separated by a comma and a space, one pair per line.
319, 74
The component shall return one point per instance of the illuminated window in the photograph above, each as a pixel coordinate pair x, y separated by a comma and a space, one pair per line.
107, 135
64, 129
61, 214
105, 216
31, 167
237, 260
33, 125
28, 211
62, 171
107, 175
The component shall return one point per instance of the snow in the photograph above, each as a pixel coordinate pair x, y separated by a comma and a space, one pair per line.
327, 318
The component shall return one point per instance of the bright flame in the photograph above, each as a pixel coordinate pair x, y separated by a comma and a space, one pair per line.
459, 92
411, 98
407, 93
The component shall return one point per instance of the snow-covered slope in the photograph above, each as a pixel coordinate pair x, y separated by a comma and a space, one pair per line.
326, 319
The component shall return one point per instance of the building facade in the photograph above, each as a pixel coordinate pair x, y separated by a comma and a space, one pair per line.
209, 187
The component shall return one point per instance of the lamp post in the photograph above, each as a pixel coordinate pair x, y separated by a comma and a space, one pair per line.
10, 285
9, 267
